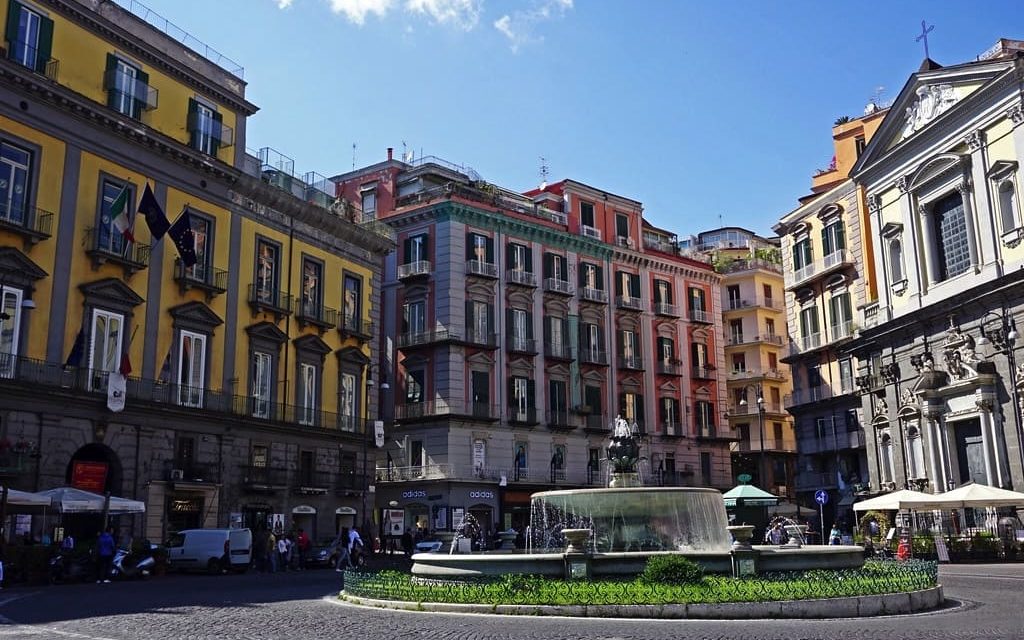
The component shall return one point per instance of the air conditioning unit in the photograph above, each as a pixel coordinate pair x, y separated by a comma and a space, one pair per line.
177, 474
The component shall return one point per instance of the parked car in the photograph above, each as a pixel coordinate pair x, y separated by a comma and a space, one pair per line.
322, 554
211, 550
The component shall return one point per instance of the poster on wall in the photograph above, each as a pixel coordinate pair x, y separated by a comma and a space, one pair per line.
440, 517
458, 515
479, 456
395, 519
277, 522
89, 476
235, 520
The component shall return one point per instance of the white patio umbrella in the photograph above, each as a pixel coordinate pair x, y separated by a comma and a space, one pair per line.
969, 496
71, 500
894, 501
26, 499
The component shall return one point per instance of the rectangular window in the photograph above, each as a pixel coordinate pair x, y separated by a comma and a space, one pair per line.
353, 297
769, 327
30, 37
105, 347
951, 227
202, 229
205, 132
736, 331
622, 229
666, 350
307, 393
587, 215
122, 84
558, 399
590, 277
416, 249
414, 386
670, 415
632, 409
481, 316
833, 238
519, 258
555, 267
520, 398
769, 296
556, 334
414, 317
735, 301
739, 362
697, 301
480, 248
259, 456
592, 399
10, 327
347, 402
846, 375
802, 256
191, 368
15, 164
705, 412
842, 314
368, 195
266, 272
662, 292
312, 288
520, 331
416, 453
108, 238
262, 384
810, 331
521, 456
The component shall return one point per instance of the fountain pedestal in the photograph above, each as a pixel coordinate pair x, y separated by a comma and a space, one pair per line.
744, 556
577, 556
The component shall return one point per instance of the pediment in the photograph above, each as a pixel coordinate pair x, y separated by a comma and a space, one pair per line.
669, 386
312, 344
926, 100
593, 376
482, 358
111, 291
702, 391
941, 165
348, 354
18, 269
195, 313
266, 331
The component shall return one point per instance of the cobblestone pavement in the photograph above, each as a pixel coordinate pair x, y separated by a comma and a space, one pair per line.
293, 606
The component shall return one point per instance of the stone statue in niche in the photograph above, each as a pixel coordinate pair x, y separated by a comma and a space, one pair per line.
959, 353
881, 406
907, 398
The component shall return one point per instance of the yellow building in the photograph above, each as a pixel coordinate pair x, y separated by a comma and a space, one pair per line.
248, 392
754, 324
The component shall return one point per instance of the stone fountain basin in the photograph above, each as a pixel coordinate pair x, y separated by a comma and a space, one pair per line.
630, 563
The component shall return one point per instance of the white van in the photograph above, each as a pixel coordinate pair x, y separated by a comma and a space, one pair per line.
212, 550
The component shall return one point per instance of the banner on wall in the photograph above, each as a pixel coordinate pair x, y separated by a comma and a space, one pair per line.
395, 519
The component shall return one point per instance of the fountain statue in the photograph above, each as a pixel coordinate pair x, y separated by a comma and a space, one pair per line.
624, 454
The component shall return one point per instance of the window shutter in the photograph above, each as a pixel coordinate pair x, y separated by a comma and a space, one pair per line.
581, 275
600, 337
490, 319
531, 394
405, 318
509, 249
547, 328
511, 392
621, 348
825, 244
549, 269
112, 97
565, 332
490, 250
635, 281
529, 325
622, 405
218, 132
13, 19
509, 327
407, 249
584, 337
600, 278
470, 325
142, 82
529, 260
639, 404
470, 244
193, 123
618, 283
45, 44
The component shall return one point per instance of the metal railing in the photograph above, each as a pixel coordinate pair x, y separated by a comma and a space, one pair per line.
590, 232
703, 371
481, 338
666, 309
633, 361
746, 264
555, 285
558, 350
420, 338
481, 268
264, 477
672, 428
521, 277
594, 295
28, 56
521, 345
521, 415
130, 254
809, 342
699, 315
34, 223
190, 471
311, 479
819, 267
560, 419
841, 331
629, 302
316, 314
788, 445
804, 396
414, 269
270, 299
593, 356
125, 86
442, 407
203, 276
670, 368
355, 326
596, 423
826, 442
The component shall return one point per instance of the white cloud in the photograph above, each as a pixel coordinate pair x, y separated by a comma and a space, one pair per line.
518, 27
284, 4
356, 10
461, 14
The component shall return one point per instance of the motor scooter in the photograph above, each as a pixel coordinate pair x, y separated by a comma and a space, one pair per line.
126, 565
65, 568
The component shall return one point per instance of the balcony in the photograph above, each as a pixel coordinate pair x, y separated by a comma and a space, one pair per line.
309, 482
810, 342
560, 420
756, 374
483, 339
208, 132
841, 331
590, 232
771, 445
807, 396
107, 245
414, 270
316, 315
670, 368
415, 472
526, 346
205, 278
264, 479
522, 416
710, 432
355, 327
672, 429
32, 224
588, 294
520, 277
666, 309
593, 356
829, 442
424, 338
630, 303
596, 423
634, 362
28, 57
559, 287
830, 263
481, 269
270, 300
130, 91
413, 411
734, 304
747, 264
703, 372
189, 471
557, 351
700, 315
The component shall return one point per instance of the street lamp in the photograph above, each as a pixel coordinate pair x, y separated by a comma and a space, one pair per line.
760, 425
373, 415
1003, 339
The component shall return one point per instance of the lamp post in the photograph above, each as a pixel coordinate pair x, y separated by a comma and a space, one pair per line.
759, 395
373, 414
1003, 340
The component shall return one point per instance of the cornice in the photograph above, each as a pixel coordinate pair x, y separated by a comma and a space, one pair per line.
121, 38
644, 261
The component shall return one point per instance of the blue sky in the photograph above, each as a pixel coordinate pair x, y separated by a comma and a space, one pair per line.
709, 113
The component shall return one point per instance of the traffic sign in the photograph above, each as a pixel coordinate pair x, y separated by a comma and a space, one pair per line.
821, 496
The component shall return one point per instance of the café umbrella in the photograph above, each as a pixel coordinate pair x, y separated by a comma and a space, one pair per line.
71, 500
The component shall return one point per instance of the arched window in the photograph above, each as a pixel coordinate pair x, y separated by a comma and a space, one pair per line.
896, 261
915, 453
1008, 214
885, 458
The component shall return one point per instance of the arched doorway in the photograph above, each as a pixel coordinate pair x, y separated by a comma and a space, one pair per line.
344, 517
96, 468
304, 517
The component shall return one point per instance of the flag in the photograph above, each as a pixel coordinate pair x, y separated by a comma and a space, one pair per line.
126, 365
122, 214
165, 370
154, 215
77, 350
117, 387
184, 239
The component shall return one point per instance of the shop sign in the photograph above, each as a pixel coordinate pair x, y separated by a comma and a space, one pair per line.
482, 495
395, 519
188, 505
89, 476
414, 494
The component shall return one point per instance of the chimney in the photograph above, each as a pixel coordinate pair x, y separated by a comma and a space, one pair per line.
391, 152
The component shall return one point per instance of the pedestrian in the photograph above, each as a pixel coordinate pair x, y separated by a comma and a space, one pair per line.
272, 551
777, 536
259, 551
355, 547
282, 553
344, 558
302, 541
104, 555
1, 566
407, 541
67, 545
834, 536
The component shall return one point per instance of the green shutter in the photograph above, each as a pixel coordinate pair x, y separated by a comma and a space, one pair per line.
529, 260
549, 258
826, 247
469, 317
618, 283
218, 132
490, 250
490, 319
469, 246
581, 275
192, 122
45, 47
140, 102
13, 19
112, 97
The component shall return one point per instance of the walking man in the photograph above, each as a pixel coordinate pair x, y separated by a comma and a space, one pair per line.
104, 555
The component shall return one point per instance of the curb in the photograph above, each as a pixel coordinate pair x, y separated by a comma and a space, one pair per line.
851, 607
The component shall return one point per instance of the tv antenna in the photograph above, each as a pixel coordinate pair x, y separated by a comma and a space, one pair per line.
353, 156
544, 171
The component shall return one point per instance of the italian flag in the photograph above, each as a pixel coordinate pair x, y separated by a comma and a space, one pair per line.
123, 215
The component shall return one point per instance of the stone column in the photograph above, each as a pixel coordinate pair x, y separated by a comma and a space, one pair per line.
931, 427
969, 224
931, 254
985, 408
989, 428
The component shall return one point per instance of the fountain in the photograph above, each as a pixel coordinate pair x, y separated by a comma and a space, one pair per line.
613, 531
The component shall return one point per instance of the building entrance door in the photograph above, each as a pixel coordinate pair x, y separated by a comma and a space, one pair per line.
969, 451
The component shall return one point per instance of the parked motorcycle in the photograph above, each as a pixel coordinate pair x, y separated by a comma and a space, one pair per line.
66, 568
126, 565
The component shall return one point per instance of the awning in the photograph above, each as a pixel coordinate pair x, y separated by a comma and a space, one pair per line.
890, 501
26, 499
747, 495
969, 496
71, 500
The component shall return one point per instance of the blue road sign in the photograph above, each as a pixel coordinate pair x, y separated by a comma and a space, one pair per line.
821, 496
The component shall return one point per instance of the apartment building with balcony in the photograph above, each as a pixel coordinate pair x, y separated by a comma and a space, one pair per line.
827, 279
517, 327
939, 376
755, 340
245, 394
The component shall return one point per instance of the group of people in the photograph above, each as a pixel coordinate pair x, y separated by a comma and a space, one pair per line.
281, 551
